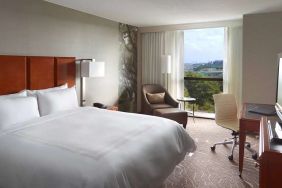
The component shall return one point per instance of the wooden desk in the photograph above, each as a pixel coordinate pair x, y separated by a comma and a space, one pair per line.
270, 157
249, 123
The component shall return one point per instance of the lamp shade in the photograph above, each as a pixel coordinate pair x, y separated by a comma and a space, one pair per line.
166, 63
93, 69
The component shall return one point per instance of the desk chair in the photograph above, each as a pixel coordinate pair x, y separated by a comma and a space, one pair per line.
226, 117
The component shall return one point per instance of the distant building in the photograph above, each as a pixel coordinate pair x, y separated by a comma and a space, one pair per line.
210, 69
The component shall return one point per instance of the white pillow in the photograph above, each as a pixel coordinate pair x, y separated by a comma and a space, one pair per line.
17, 110
56, 101
19, 94
33, 92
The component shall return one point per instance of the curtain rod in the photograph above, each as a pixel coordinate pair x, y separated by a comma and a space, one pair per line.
228, 23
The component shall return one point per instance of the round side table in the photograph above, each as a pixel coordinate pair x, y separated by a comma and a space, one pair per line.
189, 100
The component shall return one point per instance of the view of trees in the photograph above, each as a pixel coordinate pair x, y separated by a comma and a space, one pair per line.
217, 64
202, 91
204, 51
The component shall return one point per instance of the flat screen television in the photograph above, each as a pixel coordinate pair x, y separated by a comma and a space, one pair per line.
278, 105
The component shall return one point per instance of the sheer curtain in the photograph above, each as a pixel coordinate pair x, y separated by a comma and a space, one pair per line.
154, 45
232, 67
152, 49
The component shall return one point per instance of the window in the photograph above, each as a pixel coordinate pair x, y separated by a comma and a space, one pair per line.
203, 67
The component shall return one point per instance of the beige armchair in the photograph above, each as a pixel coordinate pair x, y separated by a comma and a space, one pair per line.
148, 108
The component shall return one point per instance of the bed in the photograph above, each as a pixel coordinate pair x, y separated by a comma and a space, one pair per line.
86, 146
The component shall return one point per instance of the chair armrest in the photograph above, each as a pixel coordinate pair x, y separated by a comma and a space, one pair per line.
171, 101
147, 109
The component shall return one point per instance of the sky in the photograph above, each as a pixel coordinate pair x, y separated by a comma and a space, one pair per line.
203, 45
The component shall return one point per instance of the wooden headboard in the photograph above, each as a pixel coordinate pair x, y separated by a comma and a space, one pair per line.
35, 72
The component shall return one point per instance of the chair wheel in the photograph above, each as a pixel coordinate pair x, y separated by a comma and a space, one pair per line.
248, 145
255, 156
213, 148
230, 157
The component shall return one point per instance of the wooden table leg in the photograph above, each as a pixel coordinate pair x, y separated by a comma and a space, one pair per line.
242, 139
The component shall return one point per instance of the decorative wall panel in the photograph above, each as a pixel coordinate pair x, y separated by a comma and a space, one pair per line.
128, 68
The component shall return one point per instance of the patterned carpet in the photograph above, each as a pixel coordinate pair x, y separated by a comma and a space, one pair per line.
213, 169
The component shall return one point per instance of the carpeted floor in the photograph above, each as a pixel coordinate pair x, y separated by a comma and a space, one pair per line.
213, 169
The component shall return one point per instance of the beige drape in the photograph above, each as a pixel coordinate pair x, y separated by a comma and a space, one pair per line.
154, 45
232, 67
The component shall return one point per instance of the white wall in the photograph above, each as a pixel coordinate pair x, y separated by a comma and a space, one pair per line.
32, 27
262, 42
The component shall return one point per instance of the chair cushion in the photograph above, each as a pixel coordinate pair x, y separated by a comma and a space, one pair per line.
160, 106
155, 98
169, 111
175, 114
229, 124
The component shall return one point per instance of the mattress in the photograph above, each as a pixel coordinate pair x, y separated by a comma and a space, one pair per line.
90, 147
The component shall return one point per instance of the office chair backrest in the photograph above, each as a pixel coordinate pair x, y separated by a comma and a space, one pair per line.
225, 109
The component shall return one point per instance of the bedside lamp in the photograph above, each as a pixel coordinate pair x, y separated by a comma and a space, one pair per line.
89, 68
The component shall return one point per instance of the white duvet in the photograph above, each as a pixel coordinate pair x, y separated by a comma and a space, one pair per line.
90, 147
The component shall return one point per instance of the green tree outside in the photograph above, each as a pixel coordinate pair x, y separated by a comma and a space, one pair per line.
202, 91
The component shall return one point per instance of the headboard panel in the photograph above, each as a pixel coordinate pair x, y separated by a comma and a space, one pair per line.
35, 72
12, 74
65, 70
40, 72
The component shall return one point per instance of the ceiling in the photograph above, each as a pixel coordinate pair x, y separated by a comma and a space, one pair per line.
165, 12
